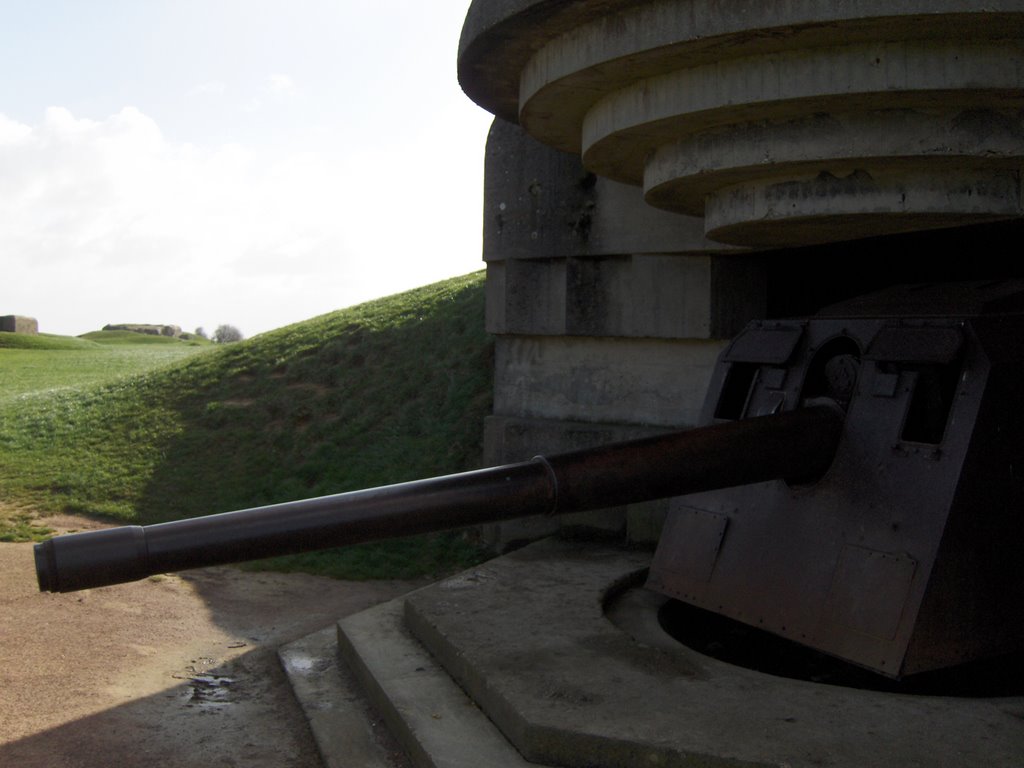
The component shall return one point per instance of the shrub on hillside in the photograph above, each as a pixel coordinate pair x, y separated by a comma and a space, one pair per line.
225, 334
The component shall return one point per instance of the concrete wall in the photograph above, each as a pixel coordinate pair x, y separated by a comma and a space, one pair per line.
18, 324
779, 124
608, 316
678, 168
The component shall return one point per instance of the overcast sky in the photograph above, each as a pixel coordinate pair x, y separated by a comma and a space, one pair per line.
253, 162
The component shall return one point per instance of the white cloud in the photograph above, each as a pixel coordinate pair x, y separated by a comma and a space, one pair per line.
273, 90
279, 83
210, 88
13, 132
109, 221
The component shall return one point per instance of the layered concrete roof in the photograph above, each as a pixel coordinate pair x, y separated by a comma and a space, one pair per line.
782, 123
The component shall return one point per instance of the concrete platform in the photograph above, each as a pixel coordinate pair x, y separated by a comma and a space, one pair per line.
564, 664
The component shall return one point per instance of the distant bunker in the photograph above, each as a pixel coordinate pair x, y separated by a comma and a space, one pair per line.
172, 331
19, 324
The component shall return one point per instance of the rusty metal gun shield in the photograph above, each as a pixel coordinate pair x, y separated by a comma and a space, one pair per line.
901, 557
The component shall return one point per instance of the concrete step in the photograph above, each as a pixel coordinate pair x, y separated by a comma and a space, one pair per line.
556, 647
347, 732
374, 698
430, 716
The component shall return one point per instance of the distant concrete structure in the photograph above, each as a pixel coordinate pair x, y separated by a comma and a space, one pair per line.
19, 324
172, 331
662, 172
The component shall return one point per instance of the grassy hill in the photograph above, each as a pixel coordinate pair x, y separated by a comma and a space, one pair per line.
391, 390
133, 338
32, 365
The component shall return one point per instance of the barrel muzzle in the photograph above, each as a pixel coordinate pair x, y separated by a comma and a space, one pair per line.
92, 559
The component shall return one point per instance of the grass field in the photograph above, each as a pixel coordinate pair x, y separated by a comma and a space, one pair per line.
388, 391
34, 365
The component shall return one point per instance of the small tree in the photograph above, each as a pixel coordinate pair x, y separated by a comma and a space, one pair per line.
201, 333
225, 334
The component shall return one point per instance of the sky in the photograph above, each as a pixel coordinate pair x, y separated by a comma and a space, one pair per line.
249, 162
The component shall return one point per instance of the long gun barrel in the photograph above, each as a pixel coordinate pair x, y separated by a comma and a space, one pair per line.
796, 445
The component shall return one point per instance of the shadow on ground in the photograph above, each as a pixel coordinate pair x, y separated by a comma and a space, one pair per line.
176, 671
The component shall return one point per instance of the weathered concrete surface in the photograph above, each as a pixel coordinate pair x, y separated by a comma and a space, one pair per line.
690, 169
527, 637
541, 203
650, 382
653, 296
433, 719
19, 324
347, 733
556, 650
757, 115
607, 311
569, 253
499, 36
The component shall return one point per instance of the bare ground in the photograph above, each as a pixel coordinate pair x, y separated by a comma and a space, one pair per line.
176, 671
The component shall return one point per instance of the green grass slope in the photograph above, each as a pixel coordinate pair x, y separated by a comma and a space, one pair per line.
39, 365
137, 339
43, 341
391, 390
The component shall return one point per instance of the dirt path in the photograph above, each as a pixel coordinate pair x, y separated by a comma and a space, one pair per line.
176, 671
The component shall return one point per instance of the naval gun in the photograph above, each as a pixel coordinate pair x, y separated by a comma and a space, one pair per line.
856, 487
794, 445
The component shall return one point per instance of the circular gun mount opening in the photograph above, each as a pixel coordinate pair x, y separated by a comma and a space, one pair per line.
736, 643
